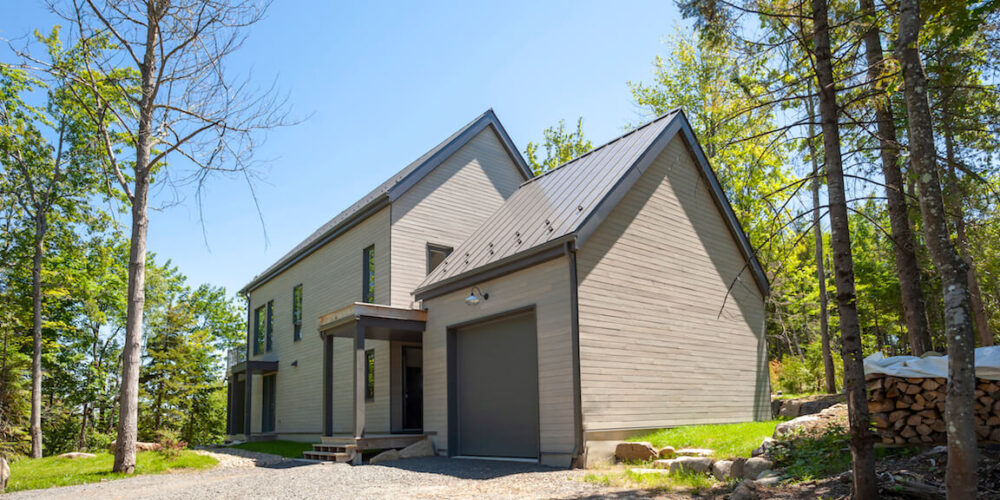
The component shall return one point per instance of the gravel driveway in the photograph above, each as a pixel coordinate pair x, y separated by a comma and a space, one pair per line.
432, 477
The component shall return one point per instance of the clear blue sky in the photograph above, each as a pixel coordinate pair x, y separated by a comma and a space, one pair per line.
381, 84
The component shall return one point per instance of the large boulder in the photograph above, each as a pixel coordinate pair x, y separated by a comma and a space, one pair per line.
695, 452
747, 490
422, 448
4, 474
756, 466
790, 408
666, 452
786, 428
139, 446
385, 456
636, 452
765, 447
76, 454
697, 465
724, 470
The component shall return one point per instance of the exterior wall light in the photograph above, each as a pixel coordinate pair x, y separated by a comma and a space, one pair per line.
474, 299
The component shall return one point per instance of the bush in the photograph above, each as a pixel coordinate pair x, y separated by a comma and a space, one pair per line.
170, 443
795, 375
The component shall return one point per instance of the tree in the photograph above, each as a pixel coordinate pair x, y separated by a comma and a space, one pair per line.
153, 75
962, 446
560, 147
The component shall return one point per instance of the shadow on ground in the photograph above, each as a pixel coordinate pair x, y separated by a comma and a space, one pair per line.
465, 468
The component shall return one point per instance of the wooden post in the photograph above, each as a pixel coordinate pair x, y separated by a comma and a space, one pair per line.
327, 385
249, 397
359, 386
229, 405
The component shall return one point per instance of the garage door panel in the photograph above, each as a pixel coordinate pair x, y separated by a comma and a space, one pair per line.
497, 388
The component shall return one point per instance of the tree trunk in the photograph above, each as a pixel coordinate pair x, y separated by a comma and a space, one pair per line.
960, 477
36, 334
824, 321
862, 452
907, 267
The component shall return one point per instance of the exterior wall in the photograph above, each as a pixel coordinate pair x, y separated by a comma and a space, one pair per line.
652, 279
546, 287
331, 278
446, 206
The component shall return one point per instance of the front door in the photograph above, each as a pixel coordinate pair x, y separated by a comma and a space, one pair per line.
268, 405
413, 388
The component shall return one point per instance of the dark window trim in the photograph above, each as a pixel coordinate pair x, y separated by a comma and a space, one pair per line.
270, 324
257, 313
297, 313
370, 375
441, 248
368, 275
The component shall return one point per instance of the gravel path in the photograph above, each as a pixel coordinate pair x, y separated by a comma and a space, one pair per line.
238, 476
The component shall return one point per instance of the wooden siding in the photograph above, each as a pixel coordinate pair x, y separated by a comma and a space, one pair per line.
546, 287
331, 279
654, 350
445, 207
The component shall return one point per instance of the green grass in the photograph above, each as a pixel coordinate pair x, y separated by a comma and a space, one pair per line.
797, 395
289, 449
728, 440
48, 472
688, 482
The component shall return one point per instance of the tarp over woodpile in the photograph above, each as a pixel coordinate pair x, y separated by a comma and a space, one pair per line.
987, 365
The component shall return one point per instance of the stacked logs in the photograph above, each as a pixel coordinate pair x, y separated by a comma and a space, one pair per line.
911, 410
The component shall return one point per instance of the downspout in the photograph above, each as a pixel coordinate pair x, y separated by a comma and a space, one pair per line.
578, 441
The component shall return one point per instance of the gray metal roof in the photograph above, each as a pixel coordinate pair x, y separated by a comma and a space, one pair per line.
570, 201
392, 189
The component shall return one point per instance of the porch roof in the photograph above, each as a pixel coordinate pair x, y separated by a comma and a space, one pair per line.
380, 322
254, 367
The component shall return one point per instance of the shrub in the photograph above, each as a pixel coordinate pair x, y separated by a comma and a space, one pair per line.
170, 443
796, 375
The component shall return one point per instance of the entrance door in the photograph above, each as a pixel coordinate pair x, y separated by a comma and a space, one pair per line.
268, 404
413, 388
497, 388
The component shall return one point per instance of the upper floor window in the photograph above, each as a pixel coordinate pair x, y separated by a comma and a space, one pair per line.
370, 375
270, 322
368, 290
259, 327
436, 255
297, 312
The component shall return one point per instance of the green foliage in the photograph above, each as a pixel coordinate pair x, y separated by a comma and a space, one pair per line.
290, 449
687, 482
728, 440
799, 376
809, 457
171, 444
560, 147
49, 472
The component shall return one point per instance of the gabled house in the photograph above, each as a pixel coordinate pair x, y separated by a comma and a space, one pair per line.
506, 316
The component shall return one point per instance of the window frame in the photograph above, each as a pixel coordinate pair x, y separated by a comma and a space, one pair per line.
258, 339
434, 247
368, 275
297, 312
369, 375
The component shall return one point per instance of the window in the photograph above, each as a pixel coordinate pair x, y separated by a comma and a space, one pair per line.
297, 312
370, 375
368, 290
436, 255
258, 329
270, 322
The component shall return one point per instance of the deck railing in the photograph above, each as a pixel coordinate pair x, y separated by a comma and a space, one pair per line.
235, 357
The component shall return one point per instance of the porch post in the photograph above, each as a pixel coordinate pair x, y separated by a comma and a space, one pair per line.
229, 405
249, 397
359, 380
327, 385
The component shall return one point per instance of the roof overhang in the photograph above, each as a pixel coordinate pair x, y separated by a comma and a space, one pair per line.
254, 367
376, 321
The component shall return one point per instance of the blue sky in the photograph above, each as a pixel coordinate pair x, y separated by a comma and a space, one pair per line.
381, 83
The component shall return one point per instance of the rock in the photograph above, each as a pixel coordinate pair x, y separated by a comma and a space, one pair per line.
4, 474
790, 409
666, 452
139, 446
385, 456
635, 452
768, 478
76, 454
764, 448
422, 448
695, 452
776, 407
640, 470
785, 428
697, 465
722, 469
755, 466
747, 490
662, 464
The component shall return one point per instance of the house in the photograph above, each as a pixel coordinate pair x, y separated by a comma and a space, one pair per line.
504, 315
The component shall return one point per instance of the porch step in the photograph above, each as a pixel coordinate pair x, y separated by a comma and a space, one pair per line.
334, 448
329, 456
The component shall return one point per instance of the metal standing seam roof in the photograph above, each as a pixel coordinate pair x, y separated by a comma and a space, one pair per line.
571, 200
391, 189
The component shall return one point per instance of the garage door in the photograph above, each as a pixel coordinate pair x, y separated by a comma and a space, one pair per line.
497, 388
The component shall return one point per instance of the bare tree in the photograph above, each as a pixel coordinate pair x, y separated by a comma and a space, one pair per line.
154, 79
962, 451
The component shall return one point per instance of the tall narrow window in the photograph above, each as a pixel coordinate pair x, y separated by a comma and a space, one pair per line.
259, 326
270, 322
368, 291
297, 312
436, 255
370, 375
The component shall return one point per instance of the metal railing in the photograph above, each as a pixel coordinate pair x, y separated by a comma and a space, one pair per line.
235, 357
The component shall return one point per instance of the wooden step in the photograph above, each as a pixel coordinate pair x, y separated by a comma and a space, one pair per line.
329, 456
335, 448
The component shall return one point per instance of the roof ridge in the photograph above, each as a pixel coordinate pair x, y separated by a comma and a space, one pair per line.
602, 146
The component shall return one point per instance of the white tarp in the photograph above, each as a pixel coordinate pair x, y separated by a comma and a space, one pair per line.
987, 365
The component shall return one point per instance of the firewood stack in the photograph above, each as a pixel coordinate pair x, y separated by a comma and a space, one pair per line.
911, 410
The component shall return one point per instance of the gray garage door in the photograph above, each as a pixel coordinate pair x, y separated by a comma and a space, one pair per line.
497, 388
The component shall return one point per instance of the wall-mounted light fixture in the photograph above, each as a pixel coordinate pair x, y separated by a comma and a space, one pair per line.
295, 363
474, 299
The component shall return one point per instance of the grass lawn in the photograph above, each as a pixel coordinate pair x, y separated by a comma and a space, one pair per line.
289, 449
690, 483
728, 440
48, 472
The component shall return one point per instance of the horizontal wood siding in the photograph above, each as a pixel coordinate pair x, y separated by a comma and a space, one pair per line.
330, 278
654, 350
545, 286
446, 206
